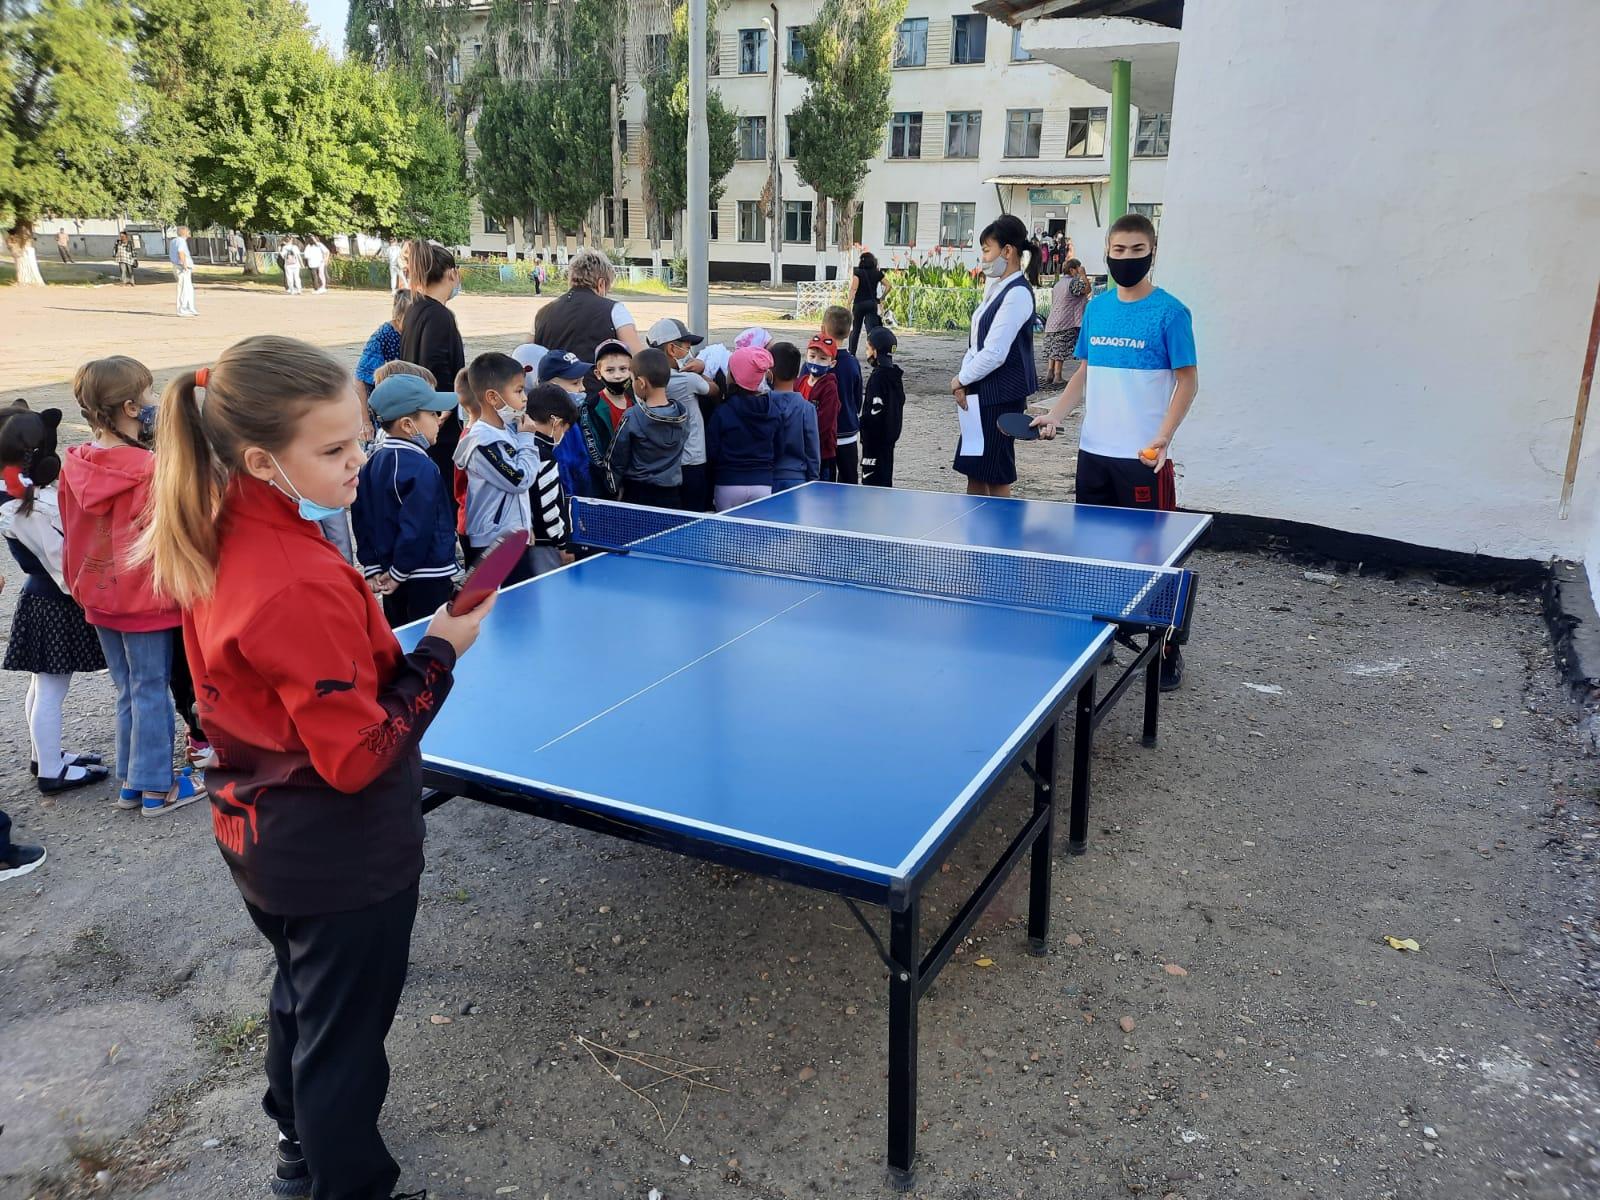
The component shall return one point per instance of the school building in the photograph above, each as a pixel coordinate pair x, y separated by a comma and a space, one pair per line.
980, 127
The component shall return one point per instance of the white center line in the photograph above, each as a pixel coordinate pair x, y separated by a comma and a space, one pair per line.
679, 671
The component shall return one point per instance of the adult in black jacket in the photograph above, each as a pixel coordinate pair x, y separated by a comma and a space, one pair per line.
430, 339
864, 281
577, 321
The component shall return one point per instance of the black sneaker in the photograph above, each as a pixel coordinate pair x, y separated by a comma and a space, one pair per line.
1172, 670
19, 860
293, 1177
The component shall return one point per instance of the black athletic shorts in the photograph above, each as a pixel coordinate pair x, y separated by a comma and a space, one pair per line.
1125, 483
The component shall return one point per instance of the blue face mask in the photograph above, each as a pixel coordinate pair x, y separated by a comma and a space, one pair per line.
310, 510
455, 291
147, 423
816, 368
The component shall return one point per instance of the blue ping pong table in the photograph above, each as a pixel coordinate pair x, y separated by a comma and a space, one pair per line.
826, 686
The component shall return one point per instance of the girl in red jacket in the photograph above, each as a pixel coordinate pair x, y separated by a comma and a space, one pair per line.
105, 484
316, 715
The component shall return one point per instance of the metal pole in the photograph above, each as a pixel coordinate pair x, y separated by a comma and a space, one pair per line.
1121, 81
698, 249
774, 151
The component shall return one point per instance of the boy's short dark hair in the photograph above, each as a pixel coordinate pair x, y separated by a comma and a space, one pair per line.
1134, 223
549, 402
836, 322
786, 359
653, 366
490, 370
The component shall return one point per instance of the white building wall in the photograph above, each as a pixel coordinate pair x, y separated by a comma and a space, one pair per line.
1386, 219
992, 87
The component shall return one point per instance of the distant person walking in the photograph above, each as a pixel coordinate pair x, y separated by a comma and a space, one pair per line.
317, 263
1067, 301
236, 249
867, 289
289, 255
396, 254
61, 245
126, 258
183, 268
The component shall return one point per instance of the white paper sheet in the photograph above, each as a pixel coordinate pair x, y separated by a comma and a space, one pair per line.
971, 426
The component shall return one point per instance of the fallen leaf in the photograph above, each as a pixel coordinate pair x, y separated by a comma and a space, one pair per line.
1401, 943
1174, 969
1127, 1024
984, 962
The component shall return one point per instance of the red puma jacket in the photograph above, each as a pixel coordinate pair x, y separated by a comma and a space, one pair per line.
315, 714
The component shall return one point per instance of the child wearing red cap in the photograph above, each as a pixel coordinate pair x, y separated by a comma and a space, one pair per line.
819, 386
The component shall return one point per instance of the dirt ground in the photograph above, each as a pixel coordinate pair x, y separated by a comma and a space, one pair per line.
1219, 1015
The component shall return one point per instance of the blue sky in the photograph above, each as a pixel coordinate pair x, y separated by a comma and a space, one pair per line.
329, 16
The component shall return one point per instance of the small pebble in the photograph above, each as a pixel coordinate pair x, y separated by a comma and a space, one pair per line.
1127, 1024
211, 1143
1428, 1131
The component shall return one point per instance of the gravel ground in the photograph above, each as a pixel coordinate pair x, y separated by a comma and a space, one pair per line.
1219, 1015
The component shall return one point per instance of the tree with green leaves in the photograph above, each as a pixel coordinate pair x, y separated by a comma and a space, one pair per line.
838, 127
666, 124
545, 144
64, 72
434, 202
416, 37
300, 142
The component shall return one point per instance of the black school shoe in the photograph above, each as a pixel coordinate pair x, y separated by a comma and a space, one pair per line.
51, 784
72, 760
293, 1177
1172, 670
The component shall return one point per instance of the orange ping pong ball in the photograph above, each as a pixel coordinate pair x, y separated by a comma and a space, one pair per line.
1150, 454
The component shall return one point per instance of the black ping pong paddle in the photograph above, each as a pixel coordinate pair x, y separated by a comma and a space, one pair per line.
1017, 425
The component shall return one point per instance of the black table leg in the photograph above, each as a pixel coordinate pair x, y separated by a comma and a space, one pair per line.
1152, 692
1082, 736
904, 990
1044, 798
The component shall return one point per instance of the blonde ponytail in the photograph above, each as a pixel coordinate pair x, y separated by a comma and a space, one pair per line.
254, 395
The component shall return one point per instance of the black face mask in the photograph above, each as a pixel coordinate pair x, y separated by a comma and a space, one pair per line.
1129, 272
615, 386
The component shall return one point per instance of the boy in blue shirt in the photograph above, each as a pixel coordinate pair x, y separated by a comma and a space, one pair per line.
847, 371
1137, 376
404, 527
800, 450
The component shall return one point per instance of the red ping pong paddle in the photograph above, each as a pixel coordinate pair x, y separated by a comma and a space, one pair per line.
1018, 425
489, 572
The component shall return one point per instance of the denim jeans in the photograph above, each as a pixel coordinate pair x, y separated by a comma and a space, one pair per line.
140, 665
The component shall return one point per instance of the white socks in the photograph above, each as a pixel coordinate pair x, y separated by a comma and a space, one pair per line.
46, 695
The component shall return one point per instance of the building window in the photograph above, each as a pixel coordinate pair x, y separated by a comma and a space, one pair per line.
968, 36
956, 222
911, 44
655, 53
714, 229
752, 138
788, 135
477, 52
1155, 135
1153, 211
1086, 132
490, 225
1023, 127
611, 205
797, 221
752, 221
899, 223
797, 49
622, 136
905, 135
752, 51
961, 130
1018, 54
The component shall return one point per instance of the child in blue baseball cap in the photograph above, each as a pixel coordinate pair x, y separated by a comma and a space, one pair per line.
404, 526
